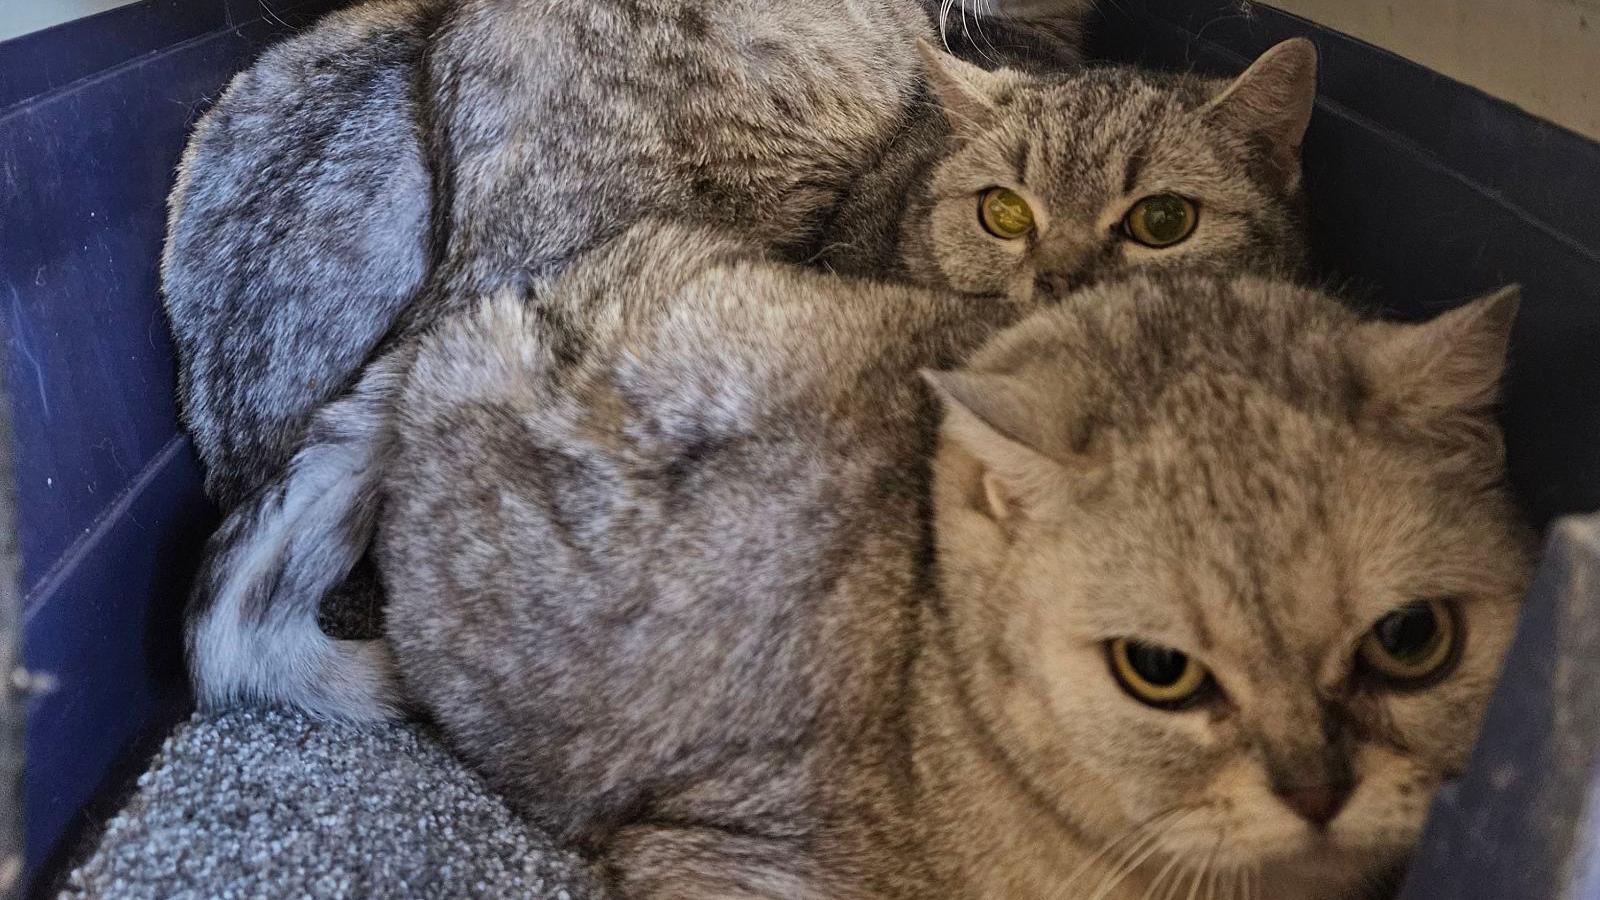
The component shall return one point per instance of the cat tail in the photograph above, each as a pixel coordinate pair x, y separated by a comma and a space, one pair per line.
252, 631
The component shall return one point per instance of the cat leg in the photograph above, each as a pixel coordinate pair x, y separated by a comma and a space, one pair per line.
650, 862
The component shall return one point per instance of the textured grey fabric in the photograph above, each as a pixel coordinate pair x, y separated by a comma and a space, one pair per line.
264, 804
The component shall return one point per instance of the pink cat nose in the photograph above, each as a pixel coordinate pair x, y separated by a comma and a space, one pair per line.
1317, 804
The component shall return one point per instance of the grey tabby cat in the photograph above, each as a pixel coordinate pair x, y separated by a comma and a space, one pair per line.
1210, 586
362, 179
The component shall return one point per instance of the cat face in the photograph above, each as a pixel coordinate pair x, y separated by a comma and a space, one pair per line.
1231, 571
1055, 182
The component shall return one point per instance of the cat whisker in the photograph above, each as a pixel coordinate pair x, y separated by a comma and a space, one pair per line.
1126, 863
1215, 880
1187, 872
1110, 845
1205, 866
944, 22
1143, 850
985, 44
1161, 877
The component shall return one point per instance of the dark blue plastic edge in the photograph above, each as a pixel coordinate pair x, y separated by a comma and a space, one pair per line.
93, 117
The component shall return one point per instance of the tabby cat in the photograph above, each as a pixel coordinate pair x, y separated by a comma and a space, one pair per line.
362, 179
1190, 582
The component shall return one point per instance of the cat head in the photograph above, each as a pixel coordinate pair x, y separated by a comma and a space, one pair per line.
1230, 569
1052, 182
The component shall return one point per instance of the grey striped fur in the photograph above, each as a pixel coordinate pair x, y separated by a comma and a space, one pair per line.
682, 558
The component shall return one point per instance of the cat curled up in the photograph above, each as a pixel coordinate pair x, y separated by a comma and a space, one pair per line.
1190, 582
407, 156
1015, 185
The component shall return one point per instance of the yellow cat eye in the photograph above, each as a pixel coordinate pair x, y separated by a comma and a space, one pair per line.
1414, 645
1004, 214
1161, 220
1156, 675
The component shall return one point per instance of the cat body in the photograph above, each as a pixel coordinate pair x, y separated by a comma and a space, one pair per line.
493, 141
639, 482
506, 138
1225, 153
684, 557
299, 228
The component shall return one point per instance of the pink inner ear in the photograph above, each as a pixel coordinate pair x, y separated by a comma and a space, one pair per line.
994, 498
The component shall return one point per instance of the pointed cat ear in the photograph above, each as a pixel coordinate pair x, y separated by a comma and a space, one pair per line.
1273, 100
996, 419
966, 93
1443, 369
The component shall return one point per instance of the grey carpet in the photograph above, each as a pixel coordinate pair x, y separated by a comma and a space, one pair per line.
268, 804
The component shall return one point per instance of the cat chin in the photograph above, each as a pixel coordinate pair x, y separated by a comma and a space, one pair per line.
1304, 862
1330, 876
1315, 864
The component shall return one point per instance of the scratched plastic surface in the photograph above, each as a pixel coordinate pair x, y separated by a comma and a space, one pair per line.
93, 117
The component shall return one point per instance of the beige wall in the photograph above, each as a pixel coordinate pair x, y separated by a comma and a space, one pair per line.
18, 17
1543, 55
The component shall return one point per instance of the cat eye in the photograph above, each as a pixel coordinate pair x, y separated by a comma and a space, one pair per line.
1004, 214
1413, 646
1156, 675
1161, 220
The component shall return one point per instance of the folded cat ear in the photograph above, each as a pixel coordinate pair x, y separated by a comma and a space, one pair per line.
966, 92
997, 420
1272, 102
1441, 370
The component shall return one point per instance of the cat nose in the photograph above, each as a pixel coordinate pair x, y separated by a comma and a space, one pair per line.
1317, 804
1067, 263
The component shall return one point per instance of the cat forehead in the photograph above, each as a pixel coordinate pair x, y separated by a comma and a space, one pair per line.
1157, 345
1090, 132
1101, 103
1110, 87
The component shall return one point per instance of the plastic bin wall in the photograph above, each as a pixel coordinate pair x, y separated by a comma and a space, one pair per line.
93, 117
1424, 193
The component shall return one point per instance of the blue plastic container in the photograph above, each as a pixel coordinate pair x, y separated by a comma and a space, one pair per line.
1425, 193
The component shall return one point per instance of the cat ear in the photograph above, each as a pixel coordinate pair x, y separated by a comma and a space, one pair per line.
997, 419
1273, 100
1443, 369
966, 92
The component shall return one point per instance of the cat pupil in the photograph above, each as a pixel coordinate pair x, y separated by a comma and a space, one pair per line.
1408, 632
1165, 218
1158, 665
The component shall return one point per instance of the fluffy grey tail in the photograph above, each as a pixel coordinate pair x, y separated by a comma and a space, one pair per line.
252, 621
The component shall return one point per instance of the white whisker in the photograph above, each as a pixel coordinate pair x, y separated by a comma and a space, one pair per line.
1116, 872
1205, 866
1145, 849
1161, 876
1214, 881
1107, 847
